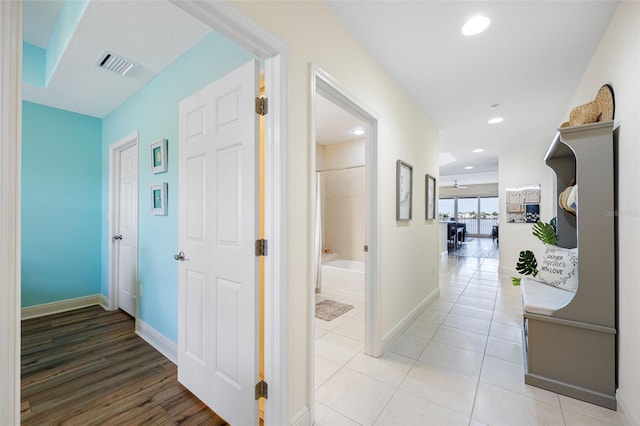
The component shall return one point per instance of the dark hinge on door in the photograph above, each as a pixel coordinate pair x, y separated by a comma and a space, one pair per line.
262, 247
262, 105
262, 390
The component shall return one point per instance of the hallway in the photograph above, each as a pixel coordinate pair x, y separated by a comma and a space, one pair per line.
459, 363
483, 247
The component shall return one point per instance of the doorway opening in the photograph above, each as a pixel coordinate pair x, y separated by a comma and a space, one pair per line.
344, 217
123, 225
236, 27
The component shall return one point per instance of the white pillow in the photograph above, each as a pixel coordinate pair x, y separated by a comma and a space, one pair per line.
559, 268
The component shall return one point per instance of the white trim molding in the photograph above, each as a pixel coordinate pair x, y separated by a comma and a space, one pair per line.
10, 160
62, 306
409, 319
158, 340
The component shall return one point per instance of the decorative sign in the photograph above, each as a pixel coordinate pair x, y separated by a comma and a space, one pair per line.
523, 204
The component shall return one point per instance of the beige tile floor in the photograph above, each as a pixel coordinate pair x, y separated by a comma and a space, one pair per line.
459, 363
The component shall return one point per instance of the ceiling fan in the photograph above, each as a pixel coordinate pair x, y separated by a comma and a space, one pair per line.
456, 186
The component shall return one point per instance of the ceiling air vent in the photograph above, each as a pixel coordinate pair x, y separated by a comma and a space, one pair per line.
112, 62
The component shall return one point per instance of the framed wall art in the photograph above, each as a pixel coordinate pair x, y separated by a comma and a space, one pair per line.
523, 204
404, 190
159, 199
430, 196
159, 156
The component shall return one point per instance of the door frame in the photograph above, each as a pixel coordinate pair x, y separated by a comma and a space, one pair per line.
10, 199
233, 24
323, 84
115, 150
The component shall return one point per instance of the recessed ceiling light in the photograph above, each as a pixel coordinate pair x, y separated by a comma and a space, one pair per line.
477, 150
468, 168
358, 131
476, 25
496, 120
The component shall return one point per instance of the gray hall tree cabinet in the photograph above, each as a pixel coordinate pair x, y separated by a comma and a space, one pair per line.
571, 347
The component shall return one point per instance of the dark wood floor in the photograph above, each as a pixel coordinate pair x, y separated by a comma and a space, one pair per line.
88, 367
477, 247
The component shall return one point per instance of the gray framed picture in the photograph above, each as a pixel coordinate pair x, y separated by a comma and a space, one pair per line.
404, 190
430, 197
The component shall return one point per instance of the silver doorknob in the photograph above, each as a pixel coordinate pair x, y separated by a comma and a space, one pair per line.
179, 256
117, 237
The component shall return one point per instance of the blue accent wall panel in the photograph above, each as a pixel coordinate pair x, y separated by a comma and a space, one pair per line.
61, 203
153, 111
33, 65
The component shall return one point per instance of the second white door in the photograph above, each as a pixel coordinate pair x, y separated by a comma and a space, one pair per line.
126, 236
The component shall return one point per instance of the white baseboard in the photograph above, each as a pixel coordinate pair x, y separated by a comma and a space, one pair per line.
303, 418
410, 318
158, 340
623, 408
61, 306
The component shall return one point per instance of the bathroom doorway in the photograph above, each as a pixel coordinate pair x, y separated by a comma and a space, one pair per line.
340, 202
343, 240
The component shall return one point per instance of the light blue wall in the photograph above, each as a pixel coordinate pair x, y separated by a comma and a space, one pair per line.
33, 65
61, 202
153, 111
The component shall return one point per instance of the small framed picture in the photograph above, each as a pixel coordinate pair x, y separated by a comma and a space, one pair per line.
430, 194
159, 199
159, 156
404, 190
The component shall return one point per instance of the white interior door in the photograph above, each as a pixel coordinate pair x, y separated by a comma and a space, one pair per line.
125, 237
218, 304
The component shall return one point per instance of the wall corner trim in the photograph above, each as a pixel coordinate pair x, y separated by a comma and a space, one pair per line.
158, 340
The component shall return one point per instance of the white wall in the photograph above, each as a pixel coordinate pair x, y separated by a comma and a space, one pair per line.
408, 252
518, 169
617, 62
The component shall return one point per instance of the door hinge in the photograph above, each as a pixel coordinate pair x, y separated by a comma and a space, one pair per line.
262, 105
262, 247
262, 390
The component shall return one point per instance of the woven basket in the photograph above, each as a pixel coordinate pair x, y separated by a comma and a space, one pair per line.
607, 105
602, 108
583, 114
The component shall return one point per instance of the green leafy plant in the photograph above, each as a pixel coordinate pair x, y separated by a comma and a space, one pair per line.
527, 263
545, 232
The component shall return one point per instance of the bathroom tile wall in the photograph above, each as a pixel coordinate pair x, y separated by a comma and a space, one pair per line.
344, 199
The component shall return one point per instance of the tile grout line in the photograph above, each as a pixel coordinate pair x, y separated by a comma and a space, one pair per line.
484, 354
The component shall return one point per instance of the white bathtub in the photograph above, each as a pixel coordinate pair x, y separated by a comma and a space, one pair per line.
343, 280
